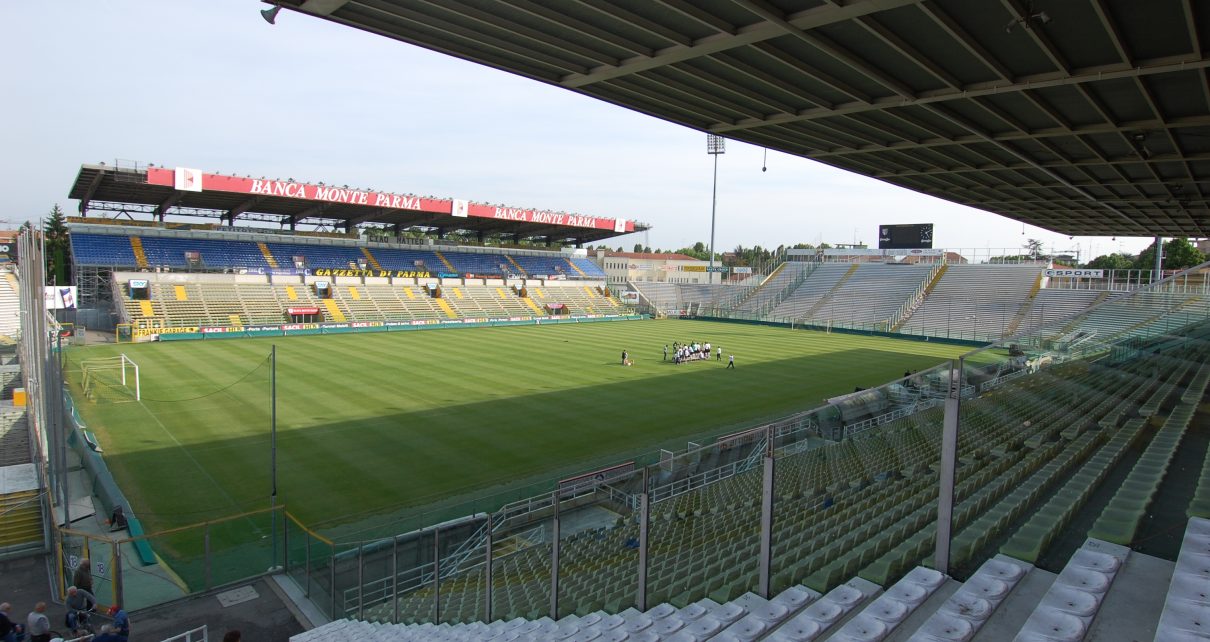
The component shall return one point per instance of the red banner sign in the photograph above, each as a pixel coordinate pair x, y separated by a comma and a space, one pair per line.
201, 181
302, 310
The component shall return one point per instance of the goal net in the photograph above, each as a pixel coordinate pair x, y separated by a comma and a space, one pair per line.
111, 379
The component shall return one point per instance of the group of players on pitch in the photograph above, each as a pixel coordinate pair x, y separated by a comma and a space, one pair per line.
682, 352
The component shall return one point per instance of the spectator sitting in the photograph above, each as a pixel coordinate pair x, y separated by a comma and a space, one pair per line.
8, 630
121, 621
78, 600
37, 625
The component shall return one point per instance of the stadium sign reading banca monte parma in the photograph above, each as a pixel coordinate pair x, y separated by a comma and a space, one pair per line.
194, 180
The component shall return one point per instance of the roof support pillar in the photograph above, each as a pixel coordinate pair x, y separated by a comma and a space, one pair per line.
1159, 260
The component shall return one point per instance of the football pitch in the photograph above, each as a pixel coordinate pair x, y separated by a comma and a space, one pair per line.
370, 425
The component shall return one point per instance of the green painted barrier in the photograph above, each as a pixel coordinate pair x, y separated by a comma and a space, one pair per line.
141, 547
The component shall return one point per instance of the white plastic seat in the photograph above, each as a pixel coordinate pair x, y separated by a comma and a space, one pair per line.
862, 628
727, 613
692, 612
951, 628
661, 611
845, 595
667, 626
825, 611
889, 610
1068, 600
1094, 560
795, 597
1053, 624
800, 629
910, 593
749, 627
704, 627
926, 577
1084, 579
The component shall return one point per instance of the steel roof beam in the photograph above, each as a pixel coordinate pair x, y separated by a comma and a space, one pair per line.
463, 33
974, 129
534, 36
746, 35
91, 189
1040, 81
1036, 33
890, 39
1129, 160
968, 42
1112, 30
167, 203
827, 46
767, 80
584, 29
817, 75
1021, 133
322, 7
699, 15
242, 207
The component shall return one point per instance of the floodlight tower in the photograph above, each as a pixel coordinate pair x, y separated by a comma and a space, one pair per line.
715, 146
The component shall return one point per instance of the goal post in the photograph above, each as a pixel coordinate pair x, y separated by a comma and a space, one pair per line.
111, 379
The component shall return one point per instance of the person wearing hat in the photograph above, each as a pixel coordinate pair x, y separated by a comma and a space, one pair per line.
121, 621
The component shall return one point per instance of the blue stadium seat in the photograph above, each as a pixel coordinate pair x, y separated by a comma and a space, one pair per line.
105, 250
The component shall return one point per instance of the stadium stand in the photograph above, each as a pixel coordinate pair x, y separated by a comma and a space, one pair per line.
221, 300
96, 249
1052, 305
171, 252
806, 296
784, 276
703, 297
119, 251
871, 294
974, 301
1139, 315
316, 256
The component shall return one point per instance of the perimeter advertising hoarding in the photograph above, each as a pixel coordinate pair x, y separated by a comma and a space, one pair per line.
596, 477
867, 251
193, 180
852, 251
1074, 274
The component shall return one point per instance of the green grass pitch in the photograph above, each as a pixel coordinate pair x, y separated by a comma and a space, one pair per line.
371, 424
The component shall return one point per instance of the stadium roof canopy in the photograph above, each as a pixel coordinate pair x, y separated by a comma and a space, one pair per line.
158, 191
1081, 116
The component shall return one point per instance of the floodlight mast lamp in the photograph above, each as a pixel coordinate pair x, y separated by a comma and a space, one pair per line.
715, 146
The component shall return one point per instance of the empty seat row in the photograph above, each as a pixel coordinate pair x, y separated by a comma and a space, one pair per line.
171, 251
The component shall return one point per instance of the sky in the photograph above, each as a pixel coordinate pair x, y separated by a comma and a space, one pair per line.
208, 84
